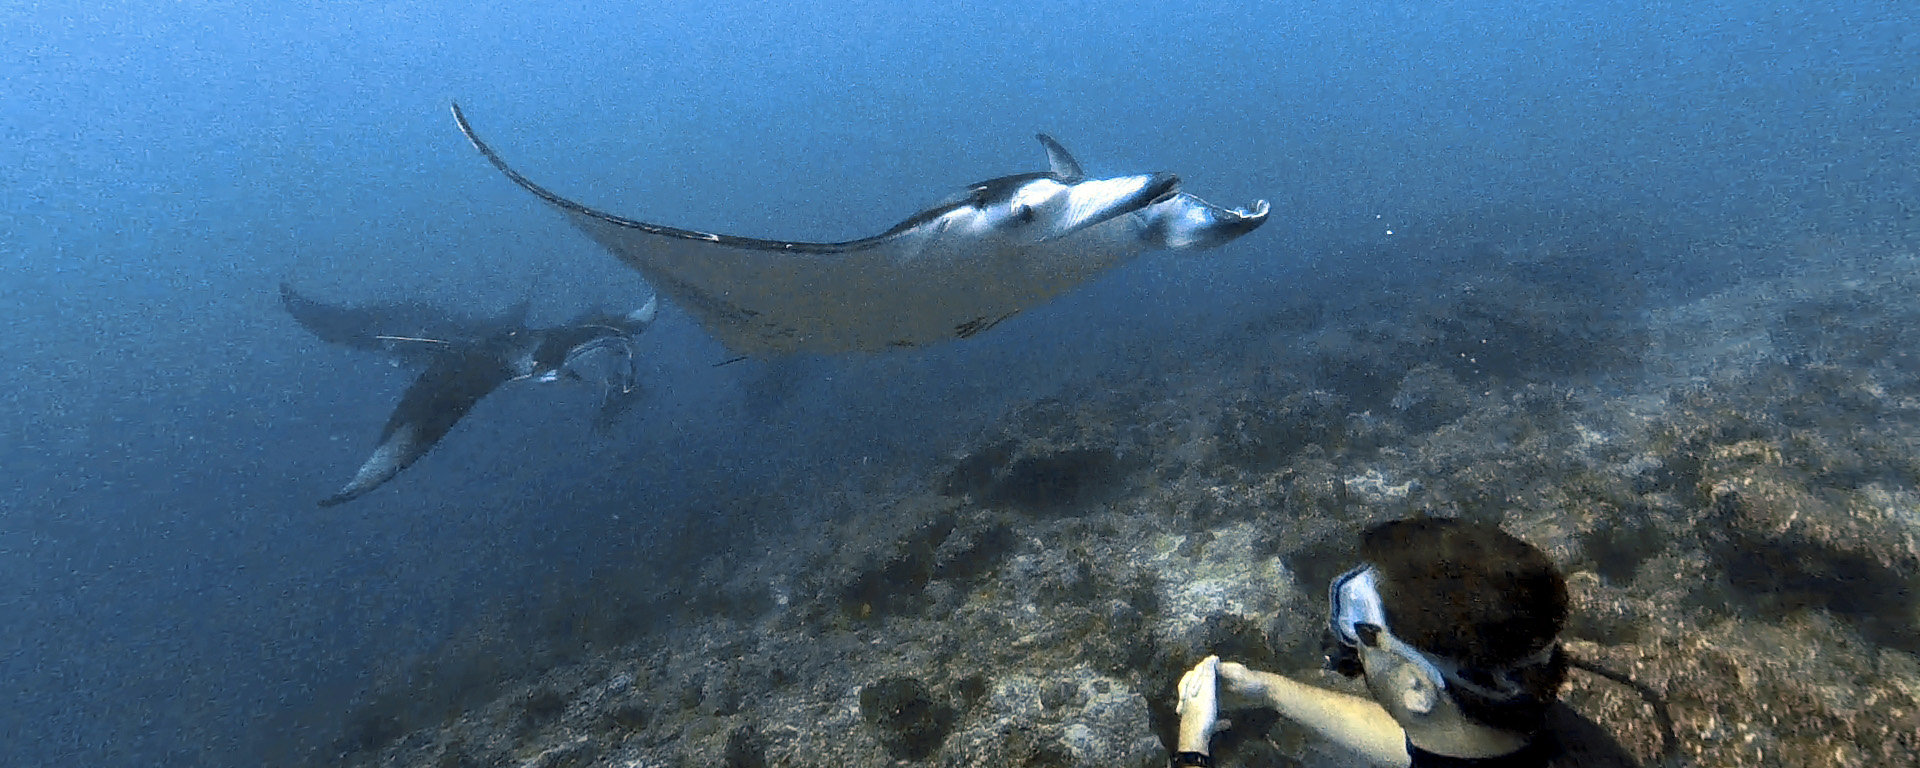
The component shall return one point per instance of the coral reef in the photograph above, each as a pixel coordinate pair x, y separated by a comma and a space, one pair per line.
1729, 482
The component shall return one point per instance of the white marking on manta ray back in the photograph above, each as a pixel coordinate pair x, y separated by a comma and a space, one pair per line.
1090, 198
1038, 193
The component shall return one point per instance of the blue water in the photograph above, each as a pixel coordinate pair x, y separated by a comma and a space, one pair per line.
169, 594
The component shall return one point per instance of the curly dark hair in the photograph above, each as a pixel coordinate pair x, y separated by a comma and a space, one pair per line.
1477, 595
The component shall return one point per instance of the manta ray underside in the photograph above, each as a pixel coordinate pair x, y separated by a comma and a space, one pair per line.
950, 271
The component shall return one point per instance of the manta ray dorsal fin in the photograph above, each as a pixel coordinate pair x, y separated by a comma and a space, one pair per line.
1064, 166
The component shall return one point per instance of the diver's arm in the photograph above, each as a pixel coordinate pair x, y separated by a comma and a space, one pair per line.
1351, 721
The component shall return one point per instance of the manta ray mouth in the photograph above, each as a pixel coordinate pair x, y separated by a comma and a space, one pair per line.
1164, 189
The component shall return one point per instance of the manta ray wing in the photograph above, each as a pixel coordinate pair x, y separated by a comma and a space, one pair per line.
916, 284
438, 399
412, 332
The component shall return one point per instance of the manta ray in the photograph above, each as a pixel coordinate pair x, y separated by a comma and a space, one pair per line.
465, 359
947, 272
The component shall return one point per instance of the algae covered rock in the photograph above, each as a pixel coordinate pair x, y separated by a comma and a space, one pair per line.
911, 721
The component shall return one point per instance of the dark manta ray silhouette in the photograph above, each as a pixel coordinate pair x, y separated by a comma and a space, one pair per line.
950, 271
465, 359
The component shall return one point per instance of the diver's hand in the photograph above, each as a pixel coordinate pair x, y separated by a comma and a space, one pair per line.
1199, 707
1242, 686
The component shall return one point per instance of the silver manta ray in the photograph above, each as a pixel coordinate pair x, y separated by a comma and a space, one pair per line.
947, 272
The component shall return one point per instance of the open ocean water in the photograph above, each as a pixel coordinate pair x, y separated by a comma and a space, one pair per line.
1636, 280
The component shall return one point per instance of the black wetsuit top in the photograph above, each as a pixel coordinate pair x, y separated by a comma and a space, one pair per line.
1569, 740
1537, 754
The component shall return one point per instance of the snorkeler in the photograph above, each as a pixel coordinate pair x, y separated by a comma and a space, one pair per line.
1455, 627
465, 359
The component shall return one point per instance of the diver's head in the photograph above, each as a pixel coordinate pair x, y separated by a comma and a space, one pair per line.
1450, 617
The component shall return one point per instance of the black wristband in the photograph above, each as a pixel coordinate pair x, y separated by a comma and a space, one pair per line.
1182, 759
